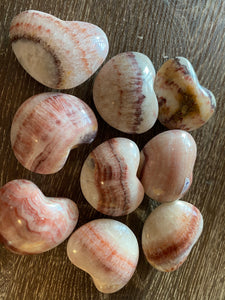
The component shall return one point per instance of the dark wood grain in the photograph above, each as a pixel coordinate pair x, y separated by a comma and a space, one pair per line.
159, 29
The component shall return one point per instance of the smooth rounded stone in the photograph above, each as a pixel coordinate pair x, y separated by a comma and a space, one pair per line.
123, 93
169, 233
59, 54
107, 250
167, 163
47, 126
183, 102
108, 177
31, 223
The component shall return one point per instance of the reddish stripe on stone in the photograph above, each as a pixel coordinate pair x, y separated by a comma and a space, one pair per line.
115, 66
27, 25
123, 175
34, 215
105, 171
47, 48
74, 37
98, 247
182, 68
35, 131
108, 246
138, 91
43, 156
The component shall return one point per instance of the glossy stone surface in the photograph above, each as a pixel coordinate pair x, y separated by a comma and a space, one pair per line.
59, 54
31, 223
183, 102
123, 93
107, 250
167, 163
108, 177
169, 233
47, 126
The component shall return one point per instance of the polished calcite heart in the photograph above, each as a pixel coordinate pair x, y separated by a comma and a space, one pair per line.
108, 177
183, 102
47, 126
167, 163
123, 93
59, 54
107, 250
169, 233
31, 223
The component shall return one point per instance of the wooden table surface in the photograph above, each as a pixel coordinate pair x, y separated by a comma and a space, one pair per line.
160, 29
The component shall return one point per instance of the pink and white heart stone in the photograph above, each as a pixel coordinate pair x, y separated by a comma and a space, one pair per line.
123, 93
107, 250
167, 163
59, 54
47, 126
31, 223
109, 177
169, 234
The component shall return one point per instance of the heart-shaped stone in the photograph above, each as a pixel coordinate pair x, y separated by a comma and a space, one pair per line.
107, 250
123, 93
167, 163
108, 177
47, 126
31, 223
183, 102
169, 233
59, 54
